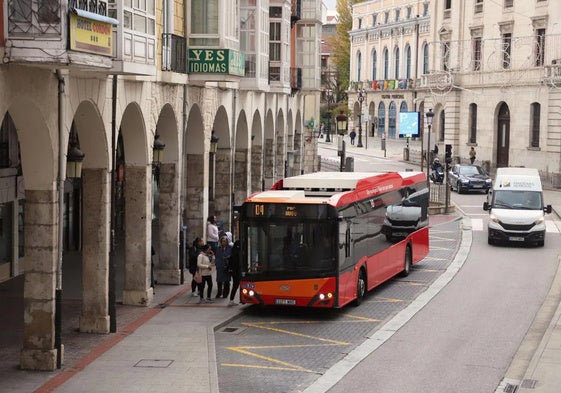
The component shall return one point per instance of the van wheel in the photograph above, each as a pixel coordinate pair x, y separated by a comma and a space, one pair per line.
360, 288
408, 262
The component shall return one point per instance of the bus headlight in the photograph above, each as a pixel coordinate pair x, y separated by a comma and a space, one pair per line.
323, 296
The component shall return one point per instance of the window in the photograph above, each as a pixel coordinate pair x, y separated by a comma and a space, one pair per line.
275, 41
425, 9
408, 62
275, 12
535, 109
358, 65
381, 118
507, 44
472, 123
442, 126
374, 19
447, 4
374, 65
248, 39
476, 49
540, 47
386, 63
409, 10
360, 23
425, 58
397, 12
478, 6
446, 55
396, 63
386, 17
204, 21
509, 3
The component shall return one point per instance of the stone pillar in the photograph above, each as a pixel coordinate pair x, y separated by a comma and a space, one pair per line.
269, 163
96, 197
256, 168
279, 158
138, 237
167, 269
222, 193
241, 177
41, 239
196, 194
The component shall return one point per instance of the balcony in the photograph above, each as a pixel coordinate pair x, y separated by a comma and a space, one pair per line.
77, 33
296, 14
295, 79
174, 53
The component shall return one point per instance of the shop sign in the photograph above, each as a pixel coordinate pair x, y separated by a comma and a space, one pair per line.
90, 36
216, 61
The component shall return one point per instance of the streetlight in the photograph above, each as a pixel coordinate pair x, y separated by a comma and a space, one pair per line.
212, 170
329, 98
361, 97
429, 115
342, 124
74, 157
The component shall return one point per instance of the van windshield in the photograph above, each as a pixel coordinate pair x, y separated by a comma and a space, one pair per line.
509, 199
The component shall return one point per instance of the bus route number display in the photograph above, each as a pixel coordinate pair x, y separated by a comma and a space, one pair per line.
290, 211
259, 210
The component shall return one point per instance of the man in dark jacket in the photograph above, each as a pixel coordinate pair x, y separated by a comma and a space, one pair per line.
234, 269
194, 251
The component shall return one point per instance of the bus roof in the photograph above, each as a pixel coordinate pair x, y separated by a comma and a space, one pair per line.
336, 187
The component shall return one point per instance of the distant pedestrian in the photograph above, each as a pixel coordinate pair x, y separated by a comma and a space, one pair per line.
235, 271
353, 136
472, 155
194, 252
222, 275
205, 264
212, 232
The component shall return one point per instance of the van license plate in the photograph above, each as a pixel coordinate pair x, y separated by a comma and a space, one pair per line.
516, 239
285, 302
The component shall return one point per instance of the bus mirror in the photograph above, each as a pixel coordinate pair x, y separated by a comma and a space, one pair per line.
547, 209
486, 206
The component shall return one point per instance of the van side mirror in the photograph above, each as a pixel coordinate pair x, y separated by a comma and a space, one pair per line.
547, 209
486, 206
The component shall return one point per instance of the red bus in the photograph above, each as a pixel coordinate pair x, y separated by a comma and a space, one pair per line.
324, 239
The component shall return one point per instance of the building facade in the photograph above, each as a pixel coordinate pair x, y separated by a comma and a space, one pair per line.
489, 71
112, 85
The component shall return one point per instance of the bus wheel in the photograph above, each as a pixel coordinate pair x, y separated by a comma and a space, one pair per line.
407, 263
360, 287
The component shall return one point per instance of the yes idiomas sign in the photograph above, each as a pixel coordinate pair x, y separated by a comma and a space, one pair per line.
216, 61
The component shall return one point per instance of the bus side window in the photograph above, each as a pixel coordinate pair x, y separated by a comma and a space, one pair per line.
348, 242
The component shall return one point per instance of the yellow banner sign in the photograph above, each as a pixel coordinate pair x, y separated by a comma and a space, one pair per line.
90, 36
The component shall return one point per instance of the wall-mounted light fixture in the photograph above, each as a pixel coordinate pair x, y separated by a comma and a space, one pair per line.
74, 157
213, 142
158, 150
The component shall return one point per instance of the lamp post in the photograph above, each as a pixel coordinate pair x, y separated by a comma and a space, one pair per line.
429, 115
329, 98
342, 124
213, 146
74, 158
361, 97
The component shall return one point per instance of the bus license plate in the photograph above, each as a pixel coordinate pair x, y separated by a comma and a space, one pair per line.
285, 302
516, 239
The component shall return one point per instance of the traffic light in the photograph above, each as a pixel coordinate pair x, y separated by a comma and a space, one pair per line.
448, 155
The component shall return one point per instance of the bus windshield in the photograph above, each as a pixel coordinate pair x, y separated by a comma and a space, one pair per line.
290, 249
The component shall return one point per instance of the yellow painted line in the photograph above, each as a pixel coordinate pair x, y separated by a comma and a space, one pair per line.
387, 300
293, 333
289, 366
283, 346
267, 368
287, 323
430, 270
440, 248
362, 319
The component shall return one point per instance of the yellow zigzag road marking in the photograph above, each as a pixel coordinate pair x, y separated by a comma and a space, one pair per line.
255, 325
288, 366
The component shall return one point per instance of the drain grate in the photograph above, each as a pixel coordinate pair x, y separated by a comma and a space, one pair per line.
154, 363
232, 330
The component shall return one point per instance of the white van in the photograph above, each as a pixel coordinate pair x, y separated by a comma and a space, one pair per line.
516, 209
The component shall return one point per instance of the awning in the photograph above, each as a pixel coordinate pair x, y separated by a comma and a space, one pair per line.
94, 16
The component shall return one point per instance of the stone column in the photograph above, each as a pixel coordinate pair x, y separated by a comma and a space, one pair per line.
240, 177
269, 163
41, 239
167, 268
196, 194
96, 197
138, 236
223, 194
256, 168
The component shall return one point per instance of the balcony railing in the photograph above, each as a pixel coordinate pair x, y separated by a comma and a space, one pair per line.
295, 79
174, 57
34, 18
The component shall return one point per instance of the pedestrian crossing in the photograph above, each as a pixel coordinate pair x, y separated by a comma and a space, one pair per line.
551, 226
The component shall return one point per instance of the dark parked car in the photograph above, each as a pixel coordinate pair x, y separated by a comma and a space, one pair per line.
469, 178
